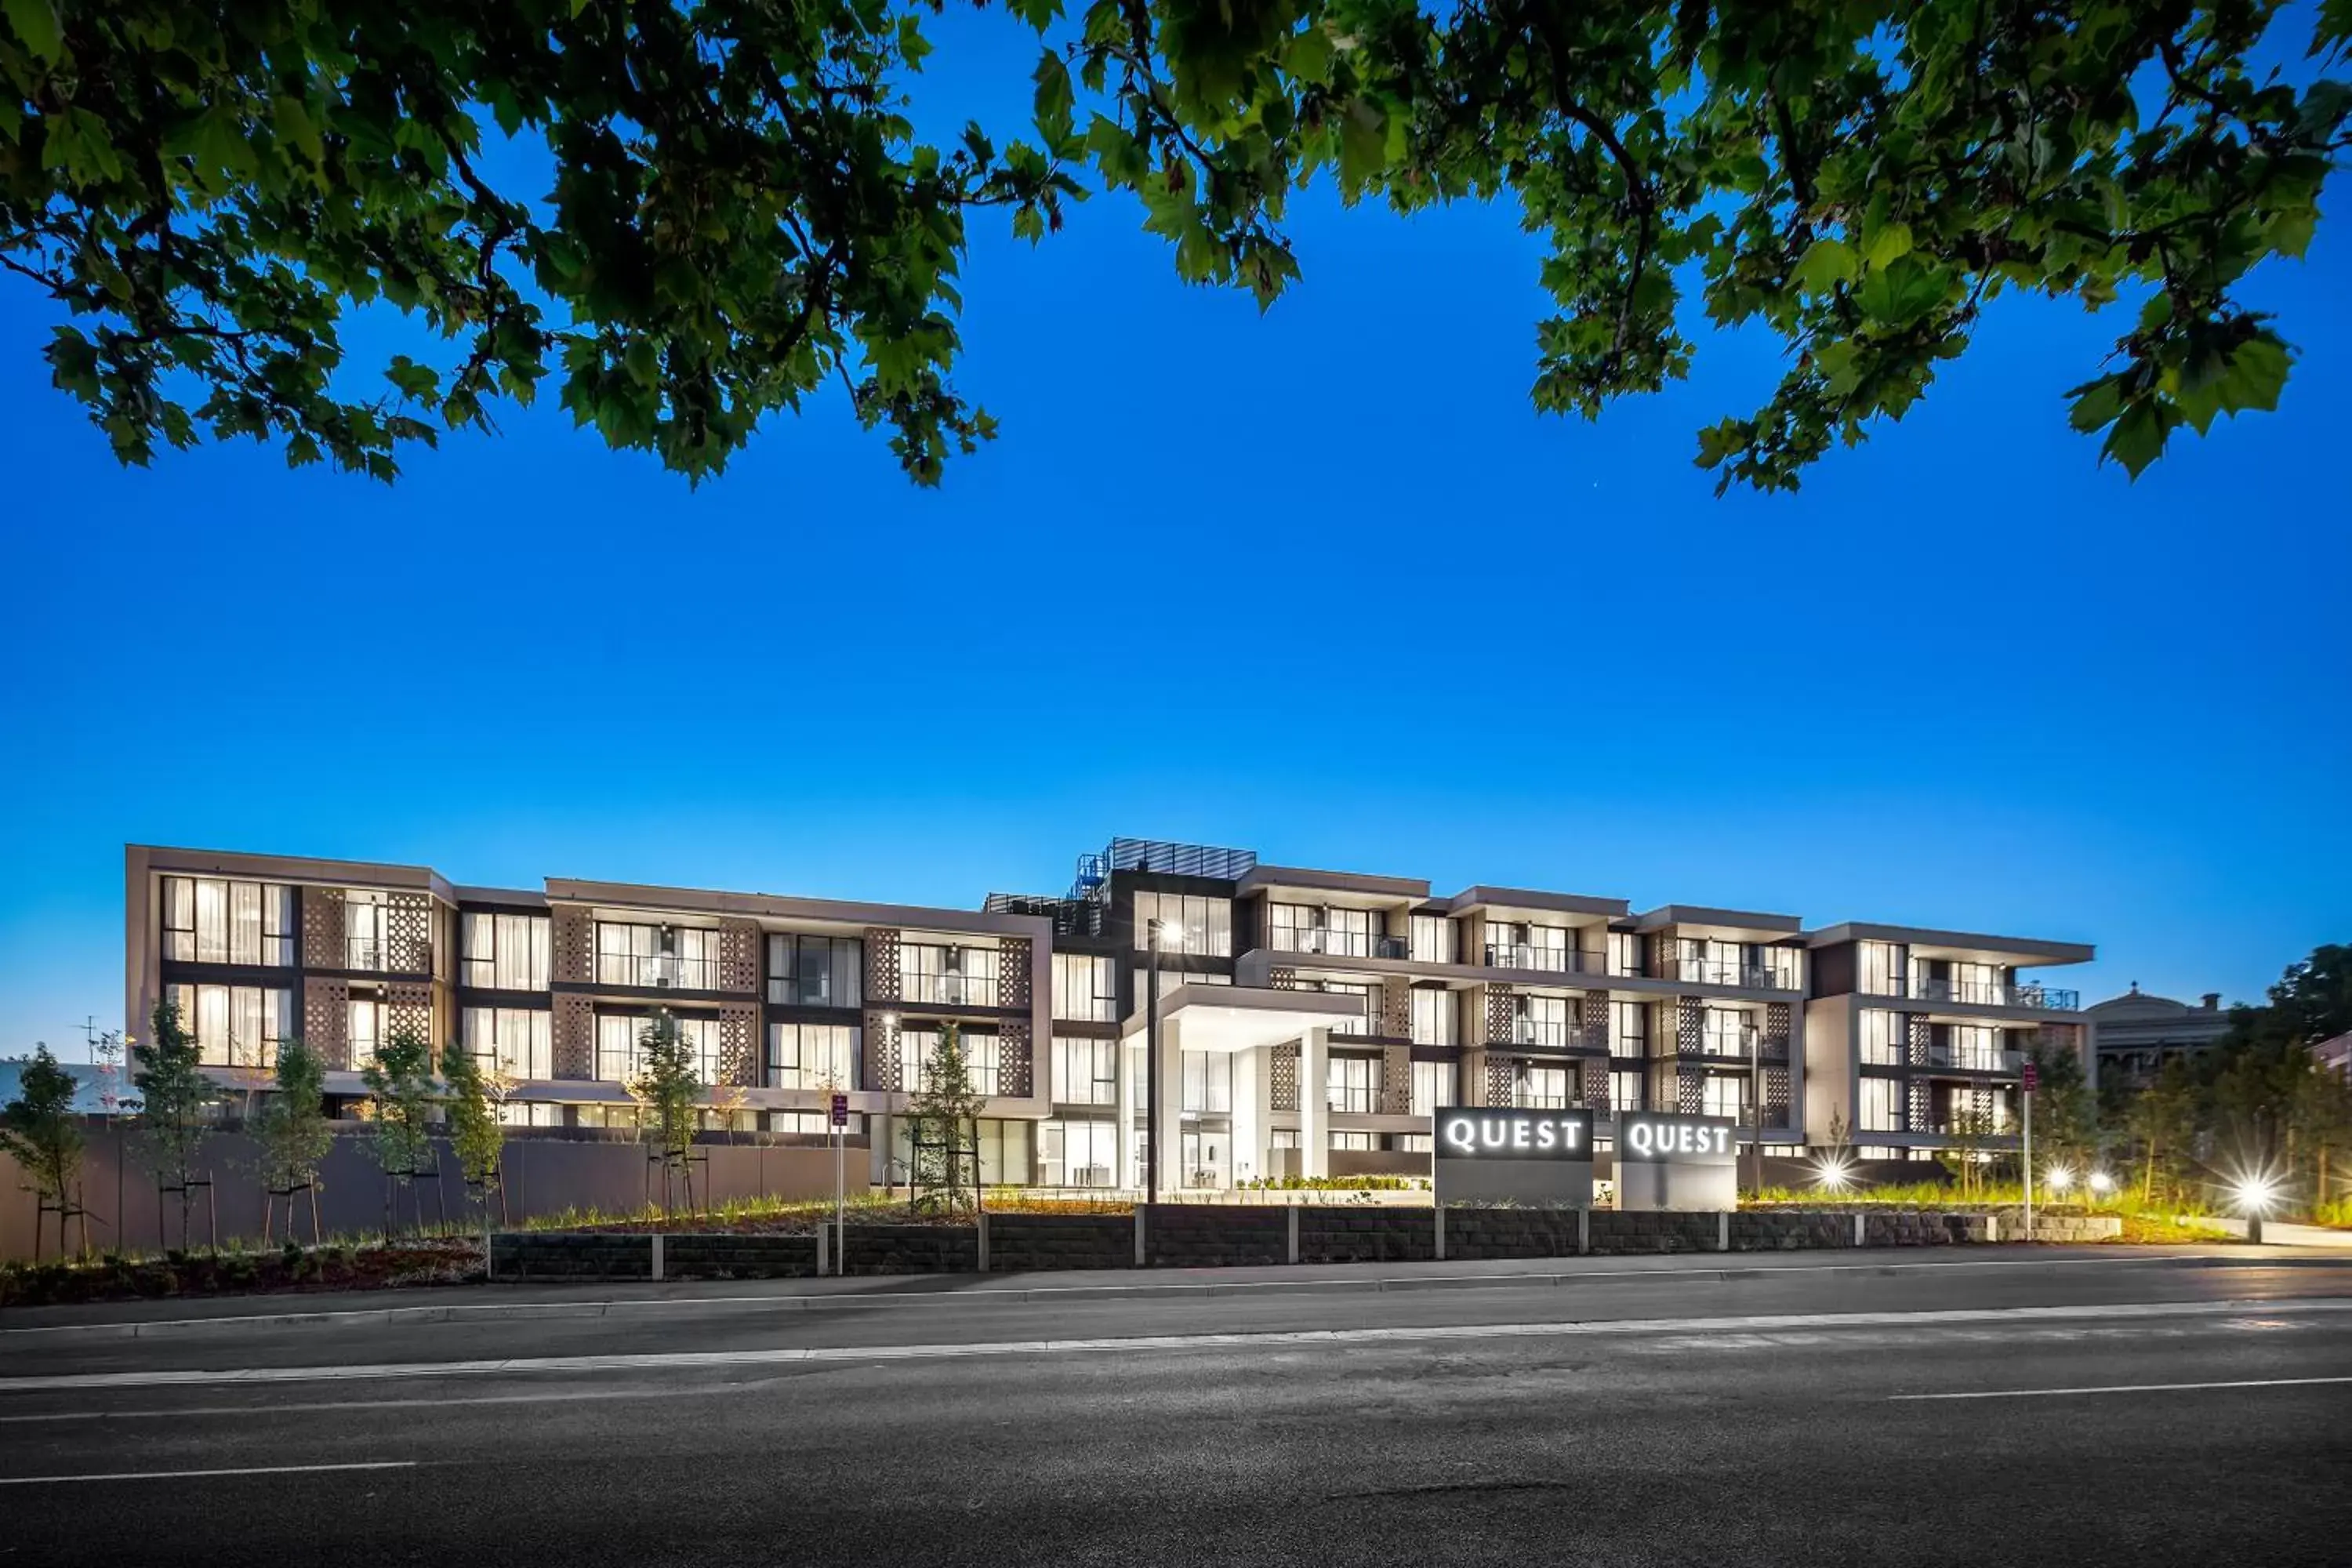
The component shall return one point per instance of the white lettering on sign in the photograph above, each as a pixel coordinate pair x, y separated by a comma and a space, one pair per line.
1471, 1133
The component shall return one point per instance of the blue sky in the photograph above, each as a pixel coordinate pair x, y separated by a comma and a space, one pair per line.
1319, 583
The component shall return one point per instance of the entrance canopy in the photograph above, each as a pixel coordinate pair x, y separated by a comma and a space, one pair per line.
1243, 1017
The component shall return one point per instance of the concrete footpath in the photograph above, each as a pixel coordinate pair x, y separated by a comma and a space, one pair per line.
21, 1327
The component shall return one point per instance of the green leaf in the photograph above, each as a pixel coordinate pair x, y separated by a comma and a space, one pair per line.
1888, 244
2256, 374
2138, 436
1825, 264
36, 22
1900, 294
1308, 56
1055, 97
1363, 143
2096, 402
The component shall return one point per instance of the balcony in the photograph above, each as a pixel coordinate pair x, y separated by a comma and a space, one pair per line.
1947, 1059
364, 952
950, 990
1992, 993
1723, 971
1544, 959
658, 971
1549, 1035
1334, 943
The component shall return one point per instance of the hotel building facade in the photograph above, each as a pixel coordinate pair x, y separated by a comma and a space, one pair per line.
1310, 1020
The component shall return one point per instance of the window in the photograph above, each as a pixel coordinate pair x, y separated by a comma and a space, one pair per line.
1711, 962
1879, 969
1355, 1142
1354, 1085
366, 1015
1725, 1095
235, 1025
1433, 1015
619, 1054
1624, 953
1208, 1083
1086, 988
210, 921
1411, 1142
1540, 1020
815, 971
1433, 938
1628, 1028
1003, 1151
1432, 1086
947, 976
1625, 1091
622, 1118
1193, 924
817, 1121
916, 1047
1972, 1048
1511, 945
1367, 996
1283, 1138
1882, 1037
814, 1055
1085, 1072
512, 1040
366, 932
1881, 1105
677, 958
1540, 1088
1078, 1154
1303, 928
1169, 980
1726, 1032
1784, 967
1975, 983
529, 1113
506, 952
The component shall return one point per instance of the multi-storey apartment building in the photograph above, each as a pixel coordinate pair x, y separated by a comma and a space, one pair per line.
1310, 1020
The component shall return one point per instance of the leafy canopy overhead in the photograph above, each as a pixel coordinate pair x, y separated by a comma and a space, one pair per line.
742, 210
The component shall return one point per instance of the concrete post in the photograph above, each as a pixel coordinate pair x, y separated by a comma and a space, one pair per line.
1859, 1234
1723, 1230
982, 1240
1142, 1257
658, 1254
1290, 1211
1993, 1228
823, 1232
1315, 1103
1583, 1232
1437, 1229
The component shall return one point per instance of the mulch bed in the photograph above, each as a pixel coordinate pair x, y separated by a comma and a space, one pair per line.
454, 1261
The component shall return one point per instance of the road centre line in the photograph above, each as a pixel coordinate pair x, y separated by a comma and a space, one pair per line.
2116, 1388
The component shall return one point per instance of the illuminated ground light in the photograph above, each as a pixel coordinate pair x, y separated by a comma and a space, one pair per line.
2060, 1178
1835, 1175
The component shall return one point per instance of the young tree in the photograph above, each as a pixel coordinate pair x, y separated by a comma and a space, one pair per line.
294, 1135
176, 1101
2161, 1122
2065, 1115
944, 1130
201, 200
665, 1084
475, 1132
400, 1086
41, 1131
1965, 1135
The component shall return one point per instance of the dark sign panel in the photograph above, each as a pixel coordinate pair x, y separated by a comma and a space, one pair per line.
1496, 1132
1643, 1138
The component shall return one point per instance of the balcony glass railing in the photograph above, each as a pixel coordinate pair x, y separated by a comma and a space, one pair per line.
663, 971
364, 952
1333, 943
1724, 971
951, 990
1972, 1060
1549, 960
1993, 993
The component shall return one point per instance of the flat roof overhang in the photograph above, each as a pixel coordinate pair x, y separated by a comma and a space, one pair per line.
1927, 942
1529, 901
1333, 886
1698, 920
1243, 1017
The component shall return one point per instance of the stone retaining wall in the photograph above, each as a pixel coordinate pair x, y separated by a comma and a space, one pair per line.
1366, 1235
570, 1255
1022, 1242
911, 1249
1204, 1236
714, 1256
1511, 1233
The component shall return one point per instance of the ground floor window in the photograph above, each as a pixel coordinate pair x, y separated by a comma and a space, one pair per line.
1411, 1142
235, 1025
1361, 1142
814, 1055
531, 1113
1882, 1103
1078, 1154
618, 1116
811, 1121
1285, 1138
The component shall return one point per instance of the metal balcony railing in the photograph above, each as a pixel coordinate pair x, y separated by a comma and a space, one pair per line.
1993, 993
1546, 960
658, 971
1329, 941
952, 990
364, 952
1958, 1059
1722, 972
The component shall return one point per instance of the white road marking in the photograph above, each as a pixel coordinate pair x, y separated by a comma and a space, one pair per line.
187, 1475
2117, 1388
674, 1360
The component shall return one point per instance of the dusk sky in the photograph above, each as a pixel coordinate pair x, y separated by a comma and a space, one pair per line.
1319, 583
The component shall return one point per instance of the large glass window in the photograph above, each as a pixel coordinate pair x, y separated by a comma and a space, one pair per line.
1366, 997
1193, 924
1882, 1037
506, 952
1432, 1086
1881, 1105
1433, 938
1208, 1083
210, 919
1169, 980
367, 1030
1078, 1154
815, 971
1972, 1048
1625, 1091
1540, 1088
1085, 1072
947, 976
981, 1057
1624, 953
512, 1040
1784, 967
1353, 1143
1726, 1032
1879, 969
1354, 1085
1724, 1095
1003, 1151
235, 1025
1710, 962
1540, 1020
1628, 1028
367, 931
1512, 946
678, 958
1434, 1015
1086, 988
619, 1054
1305, 928
814, 1055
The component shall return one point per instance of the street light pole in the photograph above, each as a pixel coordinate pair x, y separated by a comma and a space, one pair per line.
1151, 1071
1756, 1099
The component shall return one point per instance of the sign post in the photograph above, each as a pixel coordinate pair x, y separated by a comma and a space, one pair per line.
2029, 1081
840, 1124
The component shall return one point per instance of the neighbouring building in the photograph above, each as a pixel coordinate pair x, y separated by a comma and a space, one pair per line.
2139, 1033
2334, 1054
1310, 1021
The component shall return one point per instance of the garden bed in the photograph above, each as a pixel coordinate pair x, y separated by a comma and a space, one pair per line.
435, 1260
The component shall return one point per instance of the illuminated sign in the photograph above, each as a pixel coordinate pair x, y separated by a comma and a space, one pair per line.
1490, 1133
1677, 1140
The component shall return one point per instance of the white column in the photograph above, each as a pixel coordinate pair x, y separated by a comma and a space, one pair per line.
1129, 1169
1168, 1104
1251, 1092
1314, 1103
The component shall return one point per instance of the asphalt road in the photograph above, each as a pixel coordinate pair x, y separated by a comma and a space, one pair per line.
1686, 1417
